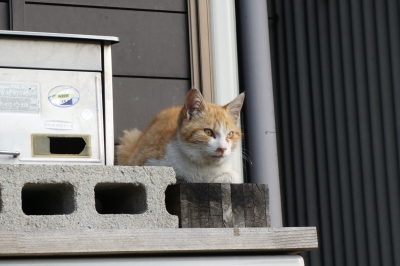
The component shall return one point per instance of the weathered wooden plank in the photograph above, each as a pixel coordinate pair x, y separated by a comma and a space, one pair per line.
219, 205
192, 205
158, 241
215, 197
227, 205
248, 205
267, 209
185, 208
237, 205
260, 205
204, 204
192, 209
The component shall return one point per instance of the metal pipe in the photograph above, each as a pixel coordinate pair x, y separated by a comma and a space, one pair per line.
15, 154
256, 78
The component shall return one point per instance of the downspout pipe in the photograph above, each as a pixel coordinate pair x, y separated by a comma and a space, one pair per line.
256, 81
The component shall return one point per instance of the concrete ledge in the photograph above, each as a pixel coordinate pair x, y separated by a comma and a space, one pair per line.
55, 197
159, 241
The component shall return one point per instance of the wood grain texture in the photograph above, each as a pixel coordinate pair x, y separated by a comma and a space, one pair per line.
260, 205
216, 205
238, 205
248, 205
159, 241
216, 211
203, 205
227, 205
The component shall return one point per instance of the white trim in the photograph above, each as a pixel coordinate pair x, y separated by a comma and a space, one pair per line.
271, 260
225, 62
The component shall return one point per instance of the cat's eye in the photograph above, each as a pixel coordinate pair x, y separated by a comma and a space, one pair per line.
208, 132
230, 135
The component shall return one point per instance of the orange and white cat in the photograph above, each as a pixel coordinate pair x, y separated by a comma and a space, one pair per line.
196, 140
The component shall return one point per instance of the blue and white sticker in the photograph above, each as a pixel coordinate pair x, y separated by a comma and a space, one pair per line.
63, 96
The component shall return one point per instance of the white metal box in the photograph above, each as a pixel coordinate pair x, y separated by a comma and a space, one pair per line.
55, 99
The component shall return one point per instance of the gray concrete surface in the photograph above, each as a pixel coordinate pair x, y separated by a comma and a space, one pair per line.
66, 194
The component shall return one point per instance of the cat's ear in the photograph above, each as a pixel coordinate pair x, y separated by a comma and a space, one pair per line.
194, 104
234, 107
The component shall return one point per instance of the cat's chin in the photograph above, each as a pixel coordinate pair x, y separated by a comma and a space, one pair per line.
218, 159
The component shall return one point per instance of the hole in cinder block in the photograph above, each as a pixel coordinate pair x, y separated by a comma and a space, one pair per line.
48, 199
120, 198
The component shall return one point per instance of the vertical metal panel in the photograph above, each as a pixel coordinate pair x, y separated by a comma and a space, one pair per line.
337, 86
389, 145
304, 67
324, 224
367, 177
283, 140
373, 70
294, 115
337, 248
356, 240
393, 180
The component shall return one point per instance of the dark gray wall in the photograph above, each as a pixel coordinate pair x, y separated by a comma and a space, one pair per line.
336, 81
4, 18
151, 62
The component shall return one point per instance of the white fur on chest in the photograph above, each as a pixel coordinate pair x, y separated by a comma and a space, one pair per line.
195, 171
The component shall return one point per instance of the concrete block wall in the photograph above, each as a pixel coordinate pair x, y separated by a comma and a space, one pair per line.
55, 197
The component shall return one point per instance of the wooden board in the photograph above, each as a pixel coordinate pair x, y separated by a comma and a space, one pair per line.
159, 241
219, 205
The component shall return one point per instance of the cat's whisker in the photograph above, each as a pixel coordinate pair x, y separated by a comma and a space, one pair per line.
244, 156
247, 157
195, 139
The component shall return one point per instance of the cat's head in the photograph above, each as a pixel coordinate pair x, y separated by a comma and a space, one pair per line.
208, 132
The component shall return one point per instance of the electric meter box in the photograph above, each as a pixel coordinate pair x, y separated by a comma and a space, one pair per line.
56, 103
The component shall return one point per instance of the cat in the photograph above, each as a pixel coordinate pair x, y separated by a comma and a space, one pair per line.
196, 140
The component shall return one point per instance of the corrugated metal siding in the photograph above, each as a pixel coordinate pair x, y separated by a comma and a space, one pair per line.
336, 67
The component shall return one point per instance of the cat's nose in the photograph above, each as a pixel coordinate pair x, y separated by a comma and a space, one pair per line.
221, 150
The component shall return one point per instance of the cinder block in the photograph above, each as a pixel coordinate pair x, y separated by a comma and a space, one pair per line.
55, 197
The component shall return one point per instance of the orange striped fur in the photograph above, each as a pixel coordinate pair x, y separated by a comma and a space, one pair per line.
195, 140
